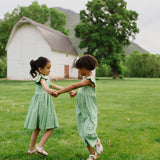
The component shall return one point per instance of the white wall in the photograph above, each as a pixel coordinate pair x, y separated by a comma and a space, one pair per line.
58, 61
27, 44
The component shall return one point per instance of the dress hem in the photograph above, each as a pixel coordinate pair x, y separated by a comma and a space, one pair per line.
42, 128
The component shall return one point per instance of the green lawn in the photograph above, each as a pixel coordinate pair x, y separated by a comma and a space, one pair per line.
128, 121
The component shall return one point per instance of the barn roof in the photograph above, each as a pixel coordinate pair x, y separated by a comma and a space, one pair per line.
57, 40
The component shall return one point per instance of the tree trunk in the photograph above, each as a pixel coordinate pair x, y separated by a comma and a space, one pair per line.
116, 75
115, 70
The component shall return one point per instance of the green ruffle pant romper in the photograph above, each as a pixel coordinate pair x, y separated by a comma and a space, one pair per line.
86, 109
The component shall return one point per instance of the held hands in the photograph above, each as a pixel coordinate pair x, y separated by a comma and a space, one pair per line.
72, 94
53, 93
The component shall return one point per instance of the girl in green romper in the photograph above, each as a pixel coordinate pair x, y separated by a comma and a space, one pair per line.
86, 106
41, 113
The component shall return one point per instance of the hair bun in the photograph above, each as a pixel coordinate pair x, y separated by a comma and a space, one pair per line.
33, 63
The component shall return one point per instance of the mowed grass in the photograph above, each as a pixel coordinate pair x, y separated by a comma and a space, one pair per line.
128, 121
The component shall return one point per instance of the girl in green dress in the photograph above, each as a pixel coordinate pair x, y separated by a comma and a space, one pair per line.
41, 113
86, 105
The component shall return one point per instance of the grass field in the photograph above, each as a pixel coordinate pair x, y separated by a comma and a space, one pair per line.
128, 121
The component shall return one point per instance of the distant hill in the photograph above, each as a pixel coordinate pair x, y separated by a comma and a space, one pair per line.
73, 19
134, 47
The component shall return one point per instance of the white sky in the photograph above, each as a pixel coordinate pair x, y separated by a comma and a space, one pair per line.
148, 23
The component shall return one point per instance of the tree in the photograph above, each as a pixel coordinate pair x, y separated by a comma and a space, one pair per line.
105, 28
39, 13
58, 20
143, 65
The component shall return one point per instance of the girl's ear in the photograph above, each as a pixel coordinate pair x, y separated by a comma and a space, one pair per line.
39, 69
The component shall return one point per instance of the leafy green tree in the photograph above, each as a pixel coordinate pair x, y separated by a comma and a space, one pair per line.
39, 13
59, 22
103, 71
134, 64
105, 28
143, 65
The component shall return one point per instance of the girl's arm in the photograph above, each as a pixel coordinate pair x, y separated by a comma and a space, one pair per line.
69, 88
59, 88
56, 86
73, 93
45, 87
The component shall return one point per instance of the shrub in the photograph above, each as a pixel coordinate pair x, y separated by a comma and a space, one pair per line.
3, 67
103, 71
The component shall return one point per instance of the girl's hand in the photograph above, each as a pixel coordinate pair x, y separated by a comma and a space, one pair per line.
53, 93
72, 94
56, 95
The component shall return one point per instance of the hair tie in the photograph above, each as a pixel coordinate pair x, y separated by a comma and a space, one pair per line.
76, 59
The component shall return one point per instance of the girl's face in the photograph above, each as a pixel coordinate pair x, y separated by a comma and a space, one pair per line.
82, 71
46, 70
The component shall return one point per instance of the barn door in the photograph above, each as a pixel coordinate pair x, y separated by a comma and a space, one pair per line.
66, 71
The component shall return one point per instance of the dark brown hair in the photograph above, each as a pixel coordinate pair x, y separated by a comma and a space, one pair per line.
35, 64
86, 61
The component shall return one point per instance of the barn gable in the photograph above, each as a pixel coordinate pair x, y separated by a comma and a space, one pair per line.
56, 40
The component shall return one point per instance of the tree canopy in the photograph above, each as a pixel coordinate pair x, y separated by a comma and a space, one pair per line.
143, 65
40, 13
105, 28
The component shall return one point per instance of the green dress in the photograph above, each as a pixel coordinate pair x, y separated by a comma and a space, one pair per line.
41, 112
86, 109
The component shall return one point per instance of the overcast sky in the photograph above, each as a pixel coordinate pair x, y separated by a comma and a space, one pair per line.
148, 23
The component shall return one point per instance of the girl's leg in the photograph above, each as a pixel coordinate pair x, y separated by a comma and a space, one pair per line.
33, 139
93, 154
91, 150
45, 137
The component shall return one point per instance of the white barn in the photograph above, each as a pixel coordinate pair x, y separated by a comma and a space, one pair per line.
30, 40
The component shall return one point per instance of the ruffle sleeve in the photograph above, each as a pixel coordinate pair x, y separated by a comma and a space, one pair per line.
39, 78
92, 80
